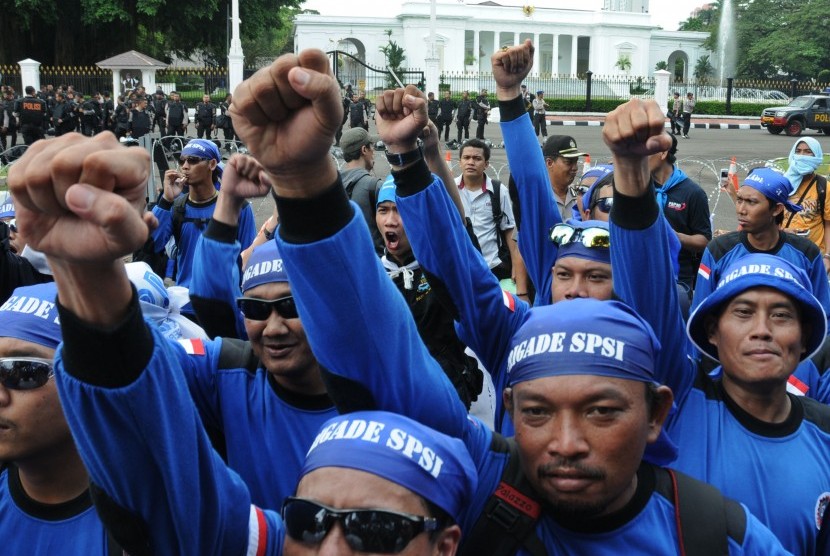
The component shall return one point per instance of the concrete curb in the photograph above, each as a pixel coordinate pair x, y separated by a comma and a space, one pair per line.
598, 123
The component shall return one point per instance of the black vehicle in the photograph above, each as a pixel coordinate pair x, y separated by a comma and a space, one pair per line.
805, 112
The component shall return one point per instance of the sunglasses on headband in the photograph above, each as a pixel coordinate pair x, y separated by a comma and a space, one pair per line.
577, 190
260, 309
25, 373
604, 204
365, 530
564, 234
192, 160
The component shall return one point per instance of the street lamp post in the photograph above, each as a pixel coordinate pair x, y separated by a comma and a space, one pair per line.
235, 56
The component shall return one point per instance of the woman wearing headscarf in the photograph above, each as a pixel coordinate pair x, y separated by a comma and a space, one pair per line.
813, 221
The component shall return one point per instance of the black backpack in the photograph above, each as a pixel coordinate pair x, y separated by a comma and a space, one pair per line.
705, 519
498, 216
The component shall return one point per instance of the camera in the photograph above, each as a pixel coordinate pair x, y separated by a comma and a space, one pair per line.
724, 173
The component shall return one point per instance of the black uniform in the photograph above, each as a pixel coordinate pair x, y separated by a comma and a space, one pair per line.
462, 117
346, 104
107, 109
33, 118
90, 117
141, 123
121, 119
482, 110
205, 119
176, 117
357, 115
8, 121
432, 111
227, 123
63, 118
447, 107
159, 107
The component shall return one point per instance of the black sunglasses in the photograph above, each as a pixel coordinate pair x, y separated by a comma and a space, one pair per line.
260, 309
192, 160
603, 203
564, 234
25, 373
13, 225
365, 530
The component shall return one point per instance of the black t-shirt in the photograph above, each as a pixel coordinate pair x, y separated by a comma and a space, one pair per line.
687, 210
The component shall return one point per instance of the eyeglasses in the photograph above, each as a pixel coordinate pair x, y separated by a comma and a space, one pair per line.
564, 234
260, 309
192, 160
369, 530
604, 204
25, 373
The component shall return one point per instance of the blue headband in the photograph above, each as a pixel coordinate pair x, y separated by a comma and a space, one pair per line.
583, 337
760, 271
202, 148
576, 249
398, 449
599, 171
386, 191
264, 266
31, 314
773, 186
7, 208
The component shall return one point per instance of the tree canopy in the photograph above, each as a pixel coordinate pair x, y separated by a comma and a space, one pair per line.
775, 38
82, 32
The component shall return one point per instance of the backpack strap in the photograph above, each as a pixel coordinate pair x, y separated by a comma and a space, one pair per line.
508, 521
705, 518
807, 190
237, 354
821, 191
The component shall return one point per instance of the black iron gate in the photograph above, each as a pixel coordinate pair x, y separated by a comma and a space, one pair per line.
350, 70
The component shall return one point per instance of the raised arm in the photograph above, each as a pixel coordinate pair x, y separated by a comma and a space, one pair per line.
527, 165
116, 376
357, 323
632, 132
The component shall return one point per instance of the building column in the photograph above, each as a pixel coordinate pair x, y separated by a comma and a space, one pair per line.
29, 74
477, 50
555, 68
574, 46
537, 47
515, 39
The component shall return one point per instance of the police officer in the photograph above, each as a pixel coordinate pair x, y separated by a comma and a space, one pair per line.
433, 106
91, 115
159, 105
482, 111
8, 121
357, 114
176, 115
227, 122
33, 117
141, 121
121, 118
205, 117
463, 115
62, 115
107, 108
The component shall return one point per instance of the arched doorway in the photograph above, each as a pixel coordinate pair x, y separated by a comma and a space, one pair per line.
350, 71
679, 66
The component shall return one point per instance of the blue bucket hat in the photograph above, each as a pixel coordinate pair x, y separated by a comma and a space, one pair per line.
757, 271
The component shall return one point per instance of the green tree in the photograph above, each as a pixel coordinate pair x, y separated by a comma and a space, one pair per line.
661, 65
623, 62
703, 68
73, 32
395, 57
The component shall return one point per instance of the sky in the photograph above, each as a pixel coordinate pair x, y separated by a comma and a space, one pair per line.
665, 13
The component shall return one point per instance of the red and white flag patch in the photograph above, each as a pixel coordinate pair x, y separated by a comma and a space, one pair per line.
193, 346
704, 271
796, 387
509, 301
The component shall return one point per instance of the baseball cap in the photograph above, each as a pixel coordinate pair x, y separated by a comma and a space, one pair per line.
757, 271
31, 314
355, 138
400, 450
561, 145
264, 266
202, 148
540, 92
773, 185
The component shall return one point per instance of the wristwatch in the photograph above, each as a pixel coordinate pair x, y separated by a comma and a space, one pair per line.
402, 159
269, 234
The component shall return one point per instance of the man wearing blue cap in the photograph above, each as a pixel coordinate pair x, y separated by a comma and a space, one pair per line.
372, 482
760, 205
583, 426
45, 504
184, 216
736, 428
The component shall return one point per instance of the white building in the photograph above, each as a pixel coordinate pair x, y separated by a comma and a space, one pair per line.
568, 42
